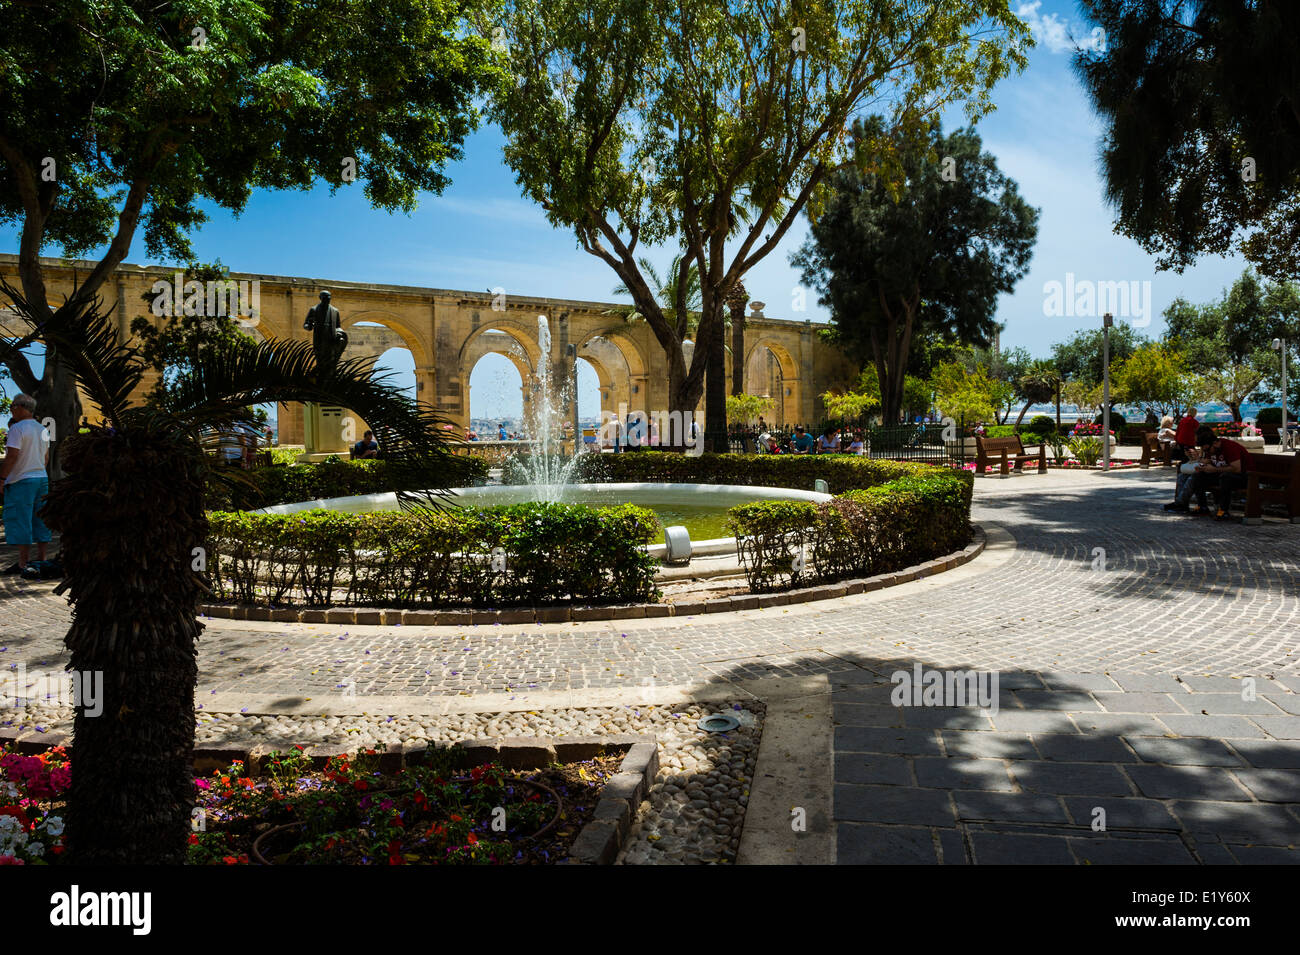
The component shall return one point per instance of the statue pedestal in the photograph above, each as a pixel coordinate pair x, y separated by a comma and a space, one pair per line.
322, 433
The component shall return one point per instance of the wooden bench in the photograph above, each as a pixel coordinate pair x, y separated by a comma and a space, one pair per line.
1153, 449
1006, 451
1272, 479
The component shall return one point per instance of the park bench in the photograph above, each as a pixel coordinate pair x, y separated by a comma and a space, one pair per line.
1008, 452
1153, 449
1273, 479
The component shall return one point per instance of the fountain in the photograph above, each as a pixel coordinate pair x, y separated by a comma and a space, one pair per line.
700, 507
546, 466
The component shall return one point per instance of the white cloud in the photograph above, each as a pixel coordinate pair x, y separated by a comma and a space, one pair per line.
1057, 34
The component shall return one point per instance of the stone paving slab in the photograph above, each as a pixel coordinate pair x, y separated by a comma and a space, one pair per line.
1027, 793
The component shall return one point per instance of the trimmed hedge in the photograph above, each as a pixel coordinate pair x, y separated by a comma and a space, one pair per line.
280, 484
860, 533
523, 553
841, 472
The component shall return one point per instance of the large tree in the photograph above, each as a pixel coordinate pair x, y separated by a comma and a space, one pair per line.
930, 253
1081, 357
124, 116
1201, 105
1228, 343
645, 122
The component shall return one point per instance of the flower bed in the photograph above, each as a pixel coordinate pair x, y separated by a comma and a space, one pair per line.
521, 554
32, 791
349, 813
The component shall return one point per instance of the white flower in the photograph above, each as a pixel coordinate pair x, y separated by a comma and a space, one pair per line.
35, 849
54, 825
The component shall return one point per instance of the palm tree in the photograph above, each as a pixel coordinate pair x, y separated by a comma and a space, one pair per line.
1037, 385
737, 299
130, 512
666, 292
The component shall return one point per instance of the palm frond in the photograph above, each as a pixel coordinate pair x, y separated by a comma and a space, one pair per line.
413, 437
86, 341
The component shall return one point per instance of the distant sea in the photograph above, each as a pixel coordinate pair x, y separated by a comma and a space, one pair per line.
1209, 411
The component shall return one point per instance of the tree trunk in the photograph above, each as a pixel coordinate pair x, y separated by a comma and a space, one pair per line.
131, 580
1021, 417
715, 390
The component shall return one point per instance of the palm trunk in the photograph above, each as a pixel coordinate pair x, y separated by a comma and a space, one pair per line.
131, 580
738, 351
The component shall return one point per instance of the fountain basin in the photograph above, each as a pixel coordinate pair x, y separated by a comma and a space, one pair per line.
697, 506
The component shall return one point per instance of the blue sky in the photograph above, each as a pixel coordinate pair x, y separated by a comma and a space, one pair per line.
481, 233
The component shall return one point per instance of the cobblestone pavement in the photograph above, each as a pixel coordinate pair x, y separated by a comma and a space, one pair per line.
1107, 605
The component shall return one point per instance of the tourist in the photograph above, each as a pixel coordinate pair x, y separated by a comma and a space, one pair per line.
1167, 433
769, 444
502, 434
367, 447
830, 441
856, 446
1183, 485
803, 442
1223, 469
27, 453
1185, 436
762, 425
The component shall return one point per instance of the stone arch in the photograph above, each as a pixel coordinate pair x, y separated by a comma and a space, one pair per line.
621, 368
524, 352
396, 324
781, 381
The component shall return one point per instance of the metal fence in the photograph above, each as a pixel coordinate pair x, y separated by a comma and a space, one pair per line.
924, 443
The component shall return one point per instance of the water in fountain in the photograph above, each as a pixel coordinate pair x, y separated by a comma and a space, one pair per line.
547, 467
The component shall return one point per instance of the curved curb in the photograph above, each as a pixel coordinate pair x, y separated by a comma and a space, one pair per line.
566, 614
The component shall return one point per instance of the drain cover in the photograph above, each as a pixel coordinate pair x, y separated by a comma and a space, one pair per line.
718, 723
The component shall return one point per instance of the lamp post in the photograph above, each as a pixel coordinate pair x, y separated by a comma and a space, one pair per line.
1107, 321
1279, 345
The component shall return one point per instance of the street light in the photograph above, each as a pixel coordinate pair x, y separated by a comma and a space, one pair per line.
1279, 345
1106, 322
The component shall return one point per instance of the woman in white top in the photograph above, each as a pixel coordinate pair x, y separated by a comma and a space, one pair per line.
1167, 433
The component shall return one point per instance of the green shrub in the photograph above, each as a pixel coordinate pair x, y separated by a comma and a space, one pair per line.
1041, 424
863, 532
1086, 450
524, 553
282, 484
1271, 416
841, 472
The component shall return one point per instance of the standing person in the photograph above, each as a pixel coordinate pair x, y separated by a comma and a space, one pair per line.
1185, 436
27, 452
1223, 469
501, 432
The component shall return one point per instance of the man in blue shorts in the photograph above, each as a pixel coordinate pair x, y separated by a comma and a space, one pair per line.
27, 452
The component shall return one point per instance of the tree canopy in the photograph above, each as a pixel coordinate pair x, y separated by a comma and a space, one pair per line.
929, 254
708, 125
123, 118
1201, 146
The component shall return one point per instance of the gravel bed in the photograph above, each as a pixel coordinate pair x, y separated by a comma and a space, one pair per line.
693, 813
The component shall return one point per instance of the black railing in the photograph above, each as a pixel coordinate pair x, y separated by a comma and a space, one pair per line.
926, 443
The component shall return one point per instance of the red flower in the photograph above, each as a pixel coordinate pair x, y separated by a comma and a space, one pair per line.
395, 854
472, 839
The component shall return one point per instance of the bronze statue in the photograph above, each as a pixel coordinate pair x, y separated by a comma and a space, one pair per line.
327, 336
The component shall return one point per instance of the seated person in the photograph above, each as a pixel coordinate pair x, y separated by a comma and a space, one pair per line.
1223, 469
856, 446
366, 447
803, 442
1167, 433
768, 444
1183, 485
830, 442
